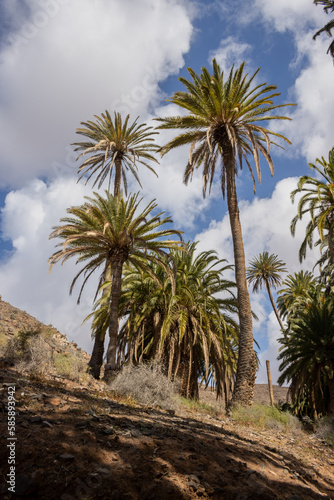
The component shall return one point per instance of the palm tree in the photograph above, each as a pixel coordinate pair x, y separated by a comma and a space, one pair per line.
107, 232
264, 270
222, 125
190, 329
111, 149
328, 7
297, 292
308, 355
318, 200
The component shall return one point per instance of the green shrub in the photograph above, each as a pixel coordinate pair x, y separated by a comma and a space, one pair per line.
62, 365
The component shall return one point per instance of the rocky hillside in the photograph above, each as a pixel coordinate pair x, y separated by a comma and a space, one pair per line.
49, 352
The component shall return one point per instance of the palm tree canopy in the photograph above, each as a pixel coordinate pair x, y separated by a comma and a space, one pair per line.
265, 270
317, 199
223, 110
193, 320
328, 6
298, 290
113, 143
307, 352
106, 229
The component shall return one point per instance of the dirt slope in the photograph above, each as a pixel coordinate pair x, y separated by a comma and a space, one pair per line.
77, 444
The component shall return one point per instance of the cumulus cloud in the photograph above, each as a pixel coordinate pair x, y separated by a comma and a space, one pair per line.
311, 128
286, 15
229, 52
61, 65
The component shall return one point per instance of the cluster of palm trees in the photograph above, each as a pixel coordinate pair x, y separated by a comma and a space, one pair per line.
305, 302
160, 299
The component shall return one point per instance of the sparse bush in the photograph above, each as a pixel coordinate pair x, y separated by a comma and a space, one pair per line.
266, 417
325, 430
71, 367
25, 335
62, 365
200, 406
34, 357
147, 385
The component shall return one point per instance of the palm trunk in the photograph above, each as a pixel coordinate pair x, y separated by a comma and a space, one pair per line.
116, 289
118, 176
330, 244
96, 360
274, 306
312, 403
246, 368
331, 396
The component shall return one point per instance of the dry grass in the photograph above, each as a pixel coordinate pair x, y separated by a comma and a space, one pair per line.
325, 430
147, 385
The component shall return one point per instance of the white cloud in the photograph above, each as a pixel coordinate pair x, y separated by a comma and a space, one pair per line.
289, 15
83, 59
230, 52
311, 129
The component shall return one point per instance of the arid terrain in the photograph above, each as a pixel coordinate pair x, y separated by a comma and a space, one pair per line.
82, 441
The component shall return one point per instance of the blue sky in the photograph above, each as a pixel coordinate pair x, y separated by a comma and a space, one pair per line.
62, 61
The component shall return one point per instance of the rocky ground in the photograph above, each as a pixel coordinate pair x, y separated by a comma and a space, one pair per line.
79, 443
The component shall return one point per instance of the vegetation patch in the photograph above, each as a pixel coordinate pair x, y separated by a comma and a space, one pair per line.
265, 417
325, 430
147, 385
198, 406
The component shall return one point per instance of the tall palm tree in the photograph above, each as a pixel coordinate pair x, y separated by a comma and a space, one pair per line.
328, 6
107, 232
317, 200
111, 148
222, 126
264, 270
307, 355
189, 330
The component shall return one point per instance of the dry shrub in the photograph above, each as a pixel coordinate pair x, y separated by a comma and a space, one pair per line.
72, 367
147, 385
325, 430
33, 356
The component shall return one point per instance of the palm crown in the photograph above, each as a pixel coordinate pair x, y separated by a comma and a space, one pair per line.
223, 111
318, 200
113, 147
265, 270
328, 6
